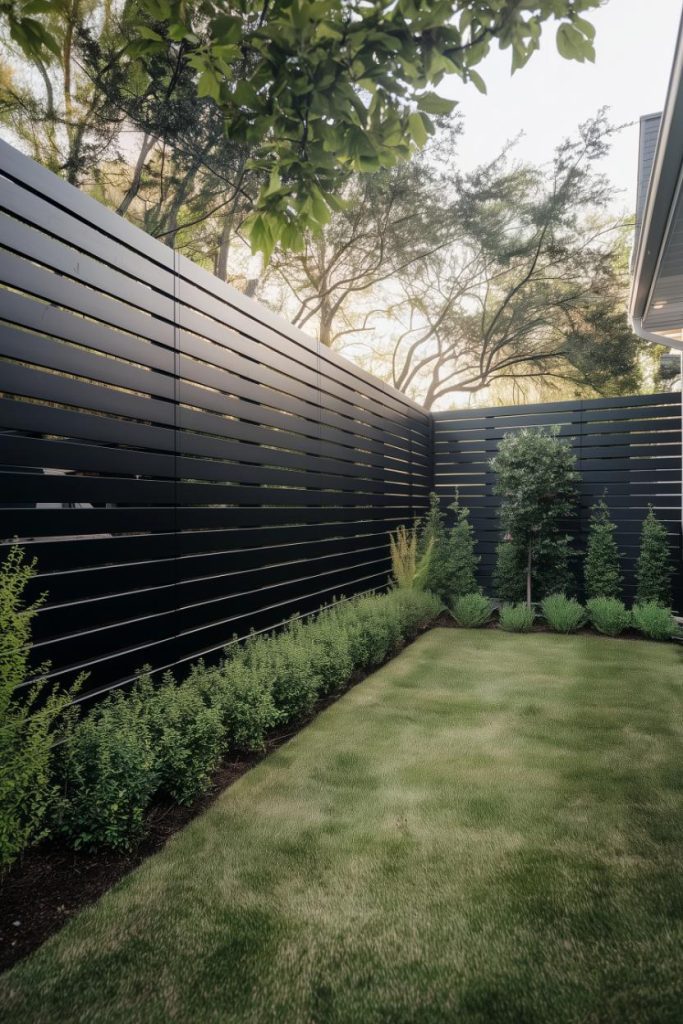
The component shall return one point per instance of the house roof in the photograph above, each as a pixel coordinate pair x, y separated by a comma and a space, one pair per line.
656, 300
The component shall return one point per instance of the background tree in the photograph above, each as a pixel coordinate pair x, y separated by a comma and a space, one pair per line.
523, 283
602, 572
537, 481
654, 568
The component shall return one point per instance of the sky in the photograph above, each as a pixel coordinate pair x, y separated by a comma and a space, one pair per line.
550, 96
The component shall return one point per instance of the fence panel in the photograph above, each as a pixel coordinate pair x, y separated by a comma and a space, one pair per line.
627, 448
185, 465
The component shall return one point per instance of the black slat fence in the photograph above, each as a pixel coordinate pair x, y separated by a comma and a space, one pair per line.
627, 448
185, 465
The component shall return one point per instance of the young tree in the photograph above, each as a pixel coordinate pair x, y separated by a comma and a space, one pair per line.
601, 569
461, 559
434, 539
537, 480
654, 568
324, 90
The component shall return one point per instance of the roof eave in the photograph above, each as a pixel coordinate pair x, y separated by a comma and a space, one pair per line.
665, 182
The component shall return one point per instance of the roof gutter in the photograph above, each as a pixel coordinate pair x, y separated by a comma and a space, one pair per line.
654, 339
665, 182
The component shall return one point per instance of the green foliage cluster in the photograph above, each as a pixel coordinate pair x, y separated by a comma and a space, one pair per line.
472, 610
27, 722
452, 561
410, 560
608, 615
602, 572
517, 618
654, 569
563, 614
656, 622
164, 741
537, 481
321, 89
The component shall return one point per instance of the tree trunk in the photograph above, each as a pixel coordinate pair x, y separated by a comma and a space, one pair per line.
528, 579
134, 187
221, 265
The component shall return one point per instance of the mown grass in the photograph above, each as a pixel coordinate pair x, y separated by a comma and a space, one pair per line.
487, 830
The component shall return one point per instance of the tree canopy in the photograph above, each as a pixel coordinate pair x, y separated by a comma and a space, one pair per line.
318, 89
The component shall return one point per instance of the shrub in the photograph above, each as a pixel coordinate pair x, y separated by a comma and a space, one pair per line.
282, 662
107, 772
508, 574
461, 560
472, 610
27, 722
655, 622
329, 651
608, 615
416, 610
409, 561
187, 736
563, 614
242, 697
602, 574
654, 567
517, 618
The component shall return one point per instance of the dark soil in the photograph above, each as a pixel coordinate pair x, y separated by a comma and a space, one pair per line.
52, 882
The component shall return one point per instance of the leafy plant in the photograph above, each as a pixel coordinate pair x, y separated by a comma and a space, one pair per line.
27, 721
654, 621
508, 573
654, 568
537, 480
107, 771
410, 564
461, 559
602, 573
516, 618
187, 736
319, 93
608, 615
563, 614
242, 697
472, 610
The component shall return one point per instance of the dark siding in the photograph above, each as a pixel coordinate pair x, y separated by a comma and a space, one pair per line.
628, 447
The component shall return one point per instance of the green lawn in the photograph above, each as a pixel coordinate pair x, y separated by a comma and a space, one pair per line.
489, 829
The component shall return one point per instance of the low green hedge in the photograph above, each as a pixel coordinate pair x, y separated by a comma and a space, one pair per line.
165, 741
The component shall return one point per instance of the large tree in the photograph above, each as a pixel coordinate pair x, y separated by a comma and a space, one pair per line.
528, 286
321, 89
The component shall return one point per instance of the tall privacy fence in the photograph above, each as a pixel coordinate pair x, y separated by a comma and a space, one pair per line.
628, 449
186, 466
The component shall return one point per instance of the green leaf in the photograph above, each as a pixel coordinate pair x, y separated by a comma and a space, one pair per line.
417, 129
433, 104
476, 80
208, 85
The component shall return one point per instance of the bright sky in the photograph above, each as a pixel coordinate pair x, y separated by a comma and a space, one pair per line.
550, 96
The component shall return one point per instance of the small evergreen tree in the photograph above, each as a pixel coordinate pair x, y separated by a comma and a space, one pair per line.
601, 569
654, 569
435, 540
461, 560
